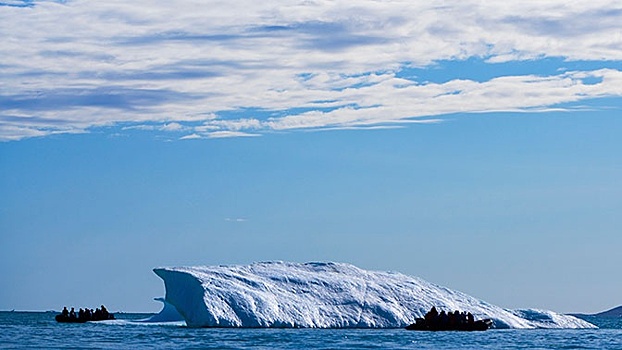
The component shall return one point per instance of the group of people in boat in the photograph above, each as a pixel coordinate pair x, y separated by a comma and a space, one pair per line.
440, 321
84, 315
449, 319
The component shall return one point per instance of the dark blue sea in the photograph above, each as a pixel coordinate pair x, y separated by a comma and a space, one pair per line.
39, 330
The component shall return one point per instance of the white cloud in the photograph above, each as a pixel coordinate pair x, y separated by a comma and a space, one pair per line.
72, 66
190, 137
172, 127
223, 134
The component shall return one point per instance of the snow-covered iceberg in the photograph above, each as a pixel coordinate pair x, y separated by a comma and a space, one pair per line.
325, 295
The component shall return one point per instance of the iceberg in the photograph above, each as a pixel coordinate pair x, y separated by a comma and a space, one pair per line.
325, 295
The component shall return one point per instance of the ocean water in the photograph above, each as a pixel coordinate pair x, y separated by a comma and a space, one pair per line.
39, 330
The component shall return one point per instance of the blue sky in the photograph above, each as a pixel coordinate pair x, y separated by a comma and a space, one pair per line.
474, 145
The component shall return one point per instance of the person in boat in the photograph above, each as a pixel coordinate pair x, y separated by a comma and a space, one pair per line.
452, 319
87, 314
104, 313
72, 314
470, 319
443, 319
432, 316
65, 312
458, 318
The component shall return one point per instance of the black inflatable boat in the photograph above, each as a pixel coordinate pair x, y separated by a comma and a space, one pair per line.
422, 325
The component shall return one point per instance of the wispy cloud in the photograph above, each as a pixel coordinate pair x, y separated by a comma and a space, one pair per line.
187, 66
235, 219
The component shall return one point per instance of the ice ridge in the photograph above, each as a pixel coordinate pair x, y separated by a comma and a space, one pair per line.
325, 295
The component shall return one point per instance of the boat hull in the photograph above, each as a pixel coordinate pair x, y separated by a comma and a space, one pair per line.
479, 325
66, 319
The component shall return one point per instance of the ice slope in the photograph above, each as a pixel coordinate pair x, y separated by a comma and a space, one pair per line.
167, 314
325, 295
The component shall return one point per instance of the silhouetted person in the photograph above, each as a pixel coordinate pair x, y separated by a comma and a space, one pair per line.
452, 319
72, 314
457, 318
463, 317
105, 313
65, 312
470, 318
80, 314
443, 319
431, 316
